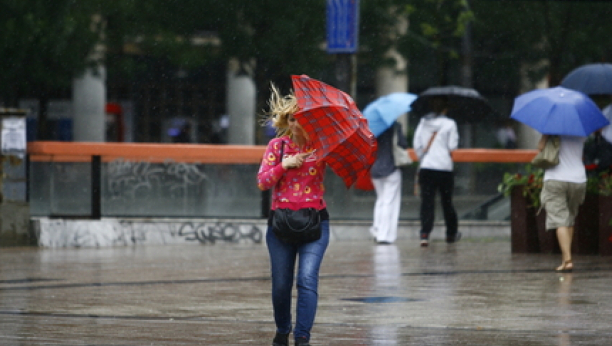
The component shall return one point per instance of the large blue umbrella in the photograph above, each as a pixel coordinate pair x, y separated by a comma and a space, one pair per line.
591, 79
558, 111
382, 112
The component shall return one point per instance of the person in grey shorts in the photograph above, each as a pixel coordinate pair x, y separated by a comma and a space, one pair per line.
563, 193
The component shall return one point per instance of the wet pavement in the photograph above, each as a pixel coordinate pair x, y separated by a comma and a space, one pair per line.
471, 293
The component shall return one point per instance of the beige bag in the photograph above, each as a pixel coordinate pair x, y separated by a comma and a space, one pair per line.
549, 156
400, 155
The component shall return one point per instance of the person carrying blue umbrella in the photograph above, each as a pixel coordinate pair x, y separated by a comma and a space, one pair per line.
386, 175
595, 80
571, 116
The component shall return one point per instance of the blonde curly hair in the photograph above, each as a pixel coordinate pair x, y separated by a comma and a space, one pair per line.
281, 107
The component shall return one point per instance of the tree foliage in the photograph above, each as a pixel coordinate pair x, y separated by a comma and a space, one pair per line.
281, 38
44, 45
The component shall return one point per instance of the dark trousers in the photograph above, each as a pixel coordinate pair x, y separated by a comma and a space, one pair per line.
431, 181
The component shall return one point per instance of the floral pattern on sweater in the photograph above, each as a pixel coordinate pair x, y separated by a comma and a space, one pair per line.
294, 188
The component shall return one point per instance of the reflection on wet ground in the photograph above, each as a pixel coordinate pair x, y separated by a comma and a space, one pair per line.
470, 293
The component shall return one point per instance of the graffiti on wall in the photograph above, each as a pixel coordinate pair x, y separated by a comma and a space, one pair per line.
134, 179
221, 231
94, 233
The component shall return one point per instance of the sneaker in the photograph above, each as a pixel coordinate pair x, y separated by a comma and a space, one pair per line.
424, 240
301, 342
280, 340
454, 239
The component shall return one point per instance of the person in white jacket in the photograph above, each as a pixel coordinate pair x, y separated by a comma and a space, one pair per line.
435, 138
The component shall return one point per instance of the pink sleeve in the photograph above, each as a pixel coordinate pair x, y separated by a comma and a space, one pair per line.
271, 169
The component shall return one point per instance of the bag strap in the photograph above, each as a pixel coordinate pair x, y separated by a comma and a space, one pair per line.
431, 139
396, 133
282, 151
433, 136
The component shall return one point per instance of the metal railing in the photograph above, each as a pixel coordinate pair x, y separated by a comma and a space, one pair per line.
94, 180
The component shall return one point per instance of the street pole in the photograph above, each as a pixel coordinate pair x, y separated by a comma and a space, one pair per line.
344, 73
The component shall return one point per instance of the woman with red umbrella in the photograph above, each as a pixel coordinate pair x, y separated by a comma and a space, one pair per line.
290, 166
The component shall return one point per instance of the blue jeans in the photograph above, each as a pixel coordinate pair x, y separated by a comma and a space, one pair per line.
282, 262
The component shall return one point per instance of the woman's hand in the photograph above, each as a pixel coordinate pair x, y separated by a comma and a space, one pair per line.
542, 142
295, 161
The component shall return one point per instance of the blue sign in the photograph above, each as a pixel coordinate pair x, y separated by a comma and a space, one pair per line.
342, 26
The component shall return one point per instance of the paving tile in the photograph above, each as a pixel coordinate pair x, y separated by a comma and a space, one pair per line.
474, 292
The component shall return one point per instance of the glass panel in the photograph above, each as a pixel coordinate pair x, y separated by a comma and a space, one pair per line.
174, 189
70, 189
170, 189
475, 195
40, 188
347, 204
233, 191
355, 204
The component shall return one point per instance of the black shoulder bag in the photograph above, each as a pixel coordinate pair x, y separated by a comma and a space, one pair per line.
296, 226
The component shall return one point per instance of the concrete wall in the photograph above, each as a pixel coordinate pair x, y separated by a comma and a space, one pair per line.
123, 232
14, 224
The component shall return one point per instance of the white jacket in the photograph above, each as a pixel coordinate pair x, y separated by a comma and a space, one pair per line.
438, 157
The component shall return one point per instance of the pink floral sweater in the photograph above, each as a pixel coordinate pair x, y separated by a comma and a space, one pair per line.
294, 188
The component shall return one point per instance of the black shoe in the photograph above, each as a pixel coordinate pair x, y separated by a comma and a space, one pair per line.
453, 239
280, 340
301, 342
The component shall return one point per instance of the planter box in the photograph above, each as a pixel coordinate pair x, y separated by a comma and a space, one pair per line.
592, 230
547, 238
604, 229
523, 226
586, 229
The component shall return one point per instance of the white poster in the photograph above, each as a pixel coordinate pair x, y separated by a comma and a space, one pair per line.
14, 136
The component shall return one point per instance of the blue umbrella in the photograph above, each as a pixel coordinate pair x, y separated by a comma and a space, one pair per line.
558, 111
382, 112
591, 79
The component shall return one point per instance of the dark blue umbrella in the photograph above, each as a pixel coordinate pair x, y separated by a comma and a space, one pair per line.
591, 79
558, 111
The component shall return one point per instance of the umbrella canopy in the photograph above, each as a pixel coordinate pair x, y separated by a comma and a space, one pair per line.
591, 79
558, 111
383, 111
464, 104
337, 128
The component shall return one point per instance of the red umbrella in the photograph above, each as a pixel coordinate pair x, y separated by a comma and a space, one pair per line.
336, 126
